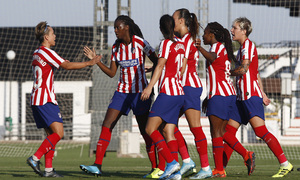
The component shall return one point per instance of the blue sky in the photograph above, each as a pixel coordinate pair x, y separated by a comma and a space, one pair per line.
269, 24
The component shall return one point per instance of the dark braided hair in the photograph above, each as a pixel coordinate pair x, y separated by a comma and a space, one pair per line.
190, 21
134, 29
166, 26
222, 35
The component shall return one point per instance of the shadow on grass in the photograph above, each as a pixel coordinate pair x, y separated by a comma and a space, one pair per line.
73, 174
117, 174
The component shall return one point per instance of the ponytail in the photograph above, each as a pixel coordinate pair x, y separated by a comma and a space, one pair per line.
228, 44
222, 35
194, 26
190, 21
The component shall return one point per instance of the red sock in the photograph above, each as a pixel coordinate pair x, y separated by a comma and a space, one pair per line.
271, 141
234, 143
49, 158
102, 144
161, 145
150, 148
162, 162
227, 149
218, 152
173, 146
48, 144
201, 145
182, 148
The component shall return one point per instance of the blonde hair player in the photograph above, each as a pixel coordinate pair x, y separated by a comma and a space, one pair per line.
249, 91
43, 102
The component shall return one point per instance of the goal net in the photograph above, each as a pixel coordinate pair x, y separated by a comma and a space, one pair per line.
84, 95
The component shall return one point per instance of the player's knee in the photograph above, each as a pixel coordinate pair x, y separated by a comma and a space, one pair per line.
149, 130
61, 134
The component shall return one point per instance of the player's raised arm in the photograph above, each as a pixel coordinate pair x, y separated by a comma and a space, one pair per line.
109, 71
79, 65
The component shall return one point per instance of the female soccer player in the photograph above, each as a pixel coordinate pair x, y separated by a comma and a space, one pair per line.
249, 94
187, 26
221, 95
43, 102
166, 107
129, 53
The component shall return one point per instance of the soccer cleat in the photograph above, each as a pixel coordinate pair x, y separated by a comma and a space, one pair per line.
149, 174
35, 165
53, 173
250, 162
186, 167
190, 172
203, 174
91, 170
284, 171
154, 174
175, 176
171, 168
216, 173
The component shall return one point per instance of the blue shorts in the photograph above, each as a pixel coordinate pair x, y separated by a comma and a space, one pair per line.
125, 101
250, 108
167, 107
192, 98
234, 114
46, 114
222, 106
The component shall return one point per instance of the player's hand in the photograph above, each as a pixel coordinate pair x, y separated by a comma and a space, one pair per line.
95, 60
146, 93
204, 105
266, 100
197, 43
89, 53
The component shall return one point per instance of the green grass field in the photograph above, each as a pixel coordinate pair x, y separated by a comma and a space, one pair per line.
67, 163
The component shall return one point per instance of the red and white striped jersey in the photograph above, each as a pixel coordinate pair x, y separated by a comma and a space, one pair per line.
190, 76
247, 85
131, 59
169, 82
218, 73
44, 62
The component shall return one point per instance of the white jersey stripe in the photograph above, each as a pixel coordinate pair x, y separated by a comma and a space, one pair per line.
227, 88
221, 90
256, 87
213, 81
190, 76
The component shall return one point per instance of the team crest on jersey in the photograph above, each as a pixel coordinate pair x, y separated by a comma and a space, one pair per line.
133, 50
